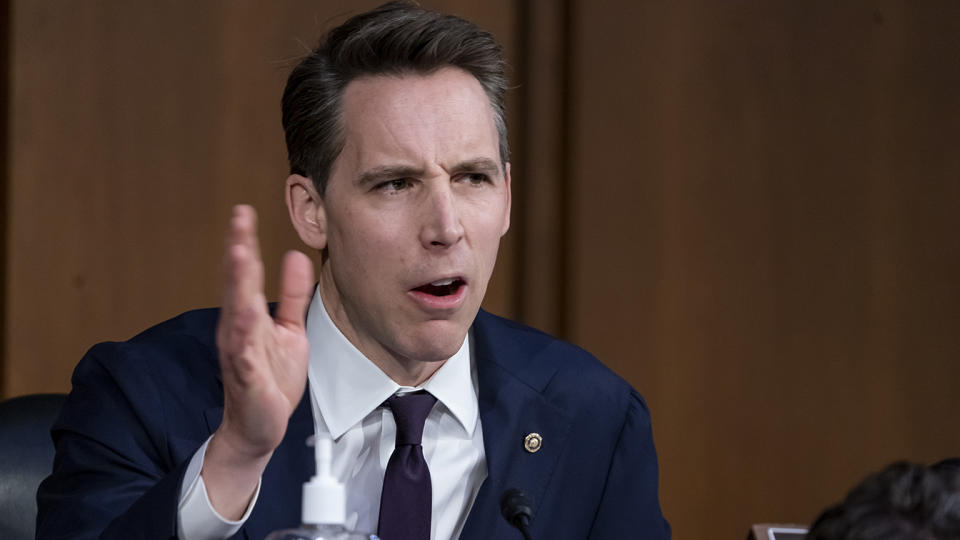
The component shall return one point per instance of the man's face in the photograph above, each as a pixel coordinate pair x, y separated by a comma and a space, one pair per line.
414, 210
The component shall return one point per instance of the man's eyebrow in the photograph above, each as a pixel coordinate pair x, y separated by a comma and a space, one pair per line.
383, 173
478, 165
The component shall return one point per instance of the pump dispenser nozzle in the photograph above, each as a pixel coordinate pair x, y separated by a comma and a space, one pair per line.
324, 502
324, 498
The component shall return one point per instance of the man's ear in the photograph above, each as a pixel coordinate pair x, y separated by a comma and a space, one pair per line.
506, 215
307, 212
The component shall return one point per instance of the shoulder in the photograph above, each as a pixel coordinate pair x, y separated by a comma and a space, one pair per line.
566, 375
597, 424
155, 385
187, 337
172, 362
195, 326
136, 411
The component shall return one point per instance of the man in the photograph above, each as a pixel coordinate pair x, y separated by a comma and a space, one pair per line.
400, 178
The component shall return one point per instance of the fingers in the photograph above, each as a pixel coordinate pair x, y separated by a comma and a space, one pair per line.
243, 269
243, 303
263, 363
296, 289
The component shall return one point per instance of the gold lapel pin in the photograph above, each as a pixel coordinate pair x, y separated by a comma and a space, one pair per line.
532, 442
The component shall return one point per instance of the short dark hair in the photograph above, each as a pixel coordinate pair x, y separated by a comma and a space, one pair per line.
394, 39
904, 501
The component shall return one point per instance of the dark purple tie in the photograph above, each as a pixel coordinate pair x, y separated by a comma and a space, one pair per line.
406, 500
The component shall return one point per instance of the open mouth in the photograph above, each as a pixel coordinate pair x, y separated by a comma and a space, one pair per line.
442, 287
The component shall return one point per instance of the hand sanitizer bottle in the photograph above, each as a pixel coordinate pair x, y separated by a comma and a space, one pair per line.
324, 504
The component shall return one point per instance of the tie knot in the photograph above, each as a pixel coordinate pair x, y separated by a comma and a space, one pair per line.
410, 412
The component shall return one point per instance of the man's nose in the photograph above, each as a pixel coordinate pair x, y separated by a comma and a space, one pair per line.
441, 220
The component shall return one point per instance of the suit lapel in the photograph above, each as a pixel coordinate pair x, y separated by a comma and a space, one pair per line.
511, 379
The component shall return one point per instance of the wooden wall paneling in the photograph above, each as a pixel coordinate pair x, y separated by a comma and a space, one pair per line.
764, 202
4, 174
133, 134
134, 127
540, 169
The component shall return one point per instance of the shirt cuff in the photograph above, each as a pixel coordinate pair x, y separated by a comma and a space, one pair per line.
196, 518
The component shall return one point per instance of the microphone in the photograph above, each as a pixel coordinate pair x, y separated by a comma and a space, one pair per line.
515, 507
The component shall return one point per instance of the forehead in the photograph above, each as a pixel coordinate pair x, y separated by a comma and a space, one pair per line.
417, 118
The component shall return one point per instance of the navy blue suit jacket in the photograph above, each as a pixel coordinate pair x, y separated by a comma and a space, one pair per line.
140, 409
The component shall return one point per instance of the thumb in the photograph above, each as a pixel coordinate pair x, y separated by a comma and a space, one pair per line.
296, 288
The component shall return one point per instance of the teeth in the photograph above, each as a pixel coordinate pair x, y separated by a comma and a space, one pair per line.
443, 282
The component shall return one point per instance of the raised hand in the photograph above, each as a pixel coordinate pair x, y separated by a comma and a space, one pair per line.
264, 364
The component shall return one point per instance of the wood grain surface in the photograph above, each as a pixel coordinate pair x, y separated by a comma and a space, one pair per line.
747, 209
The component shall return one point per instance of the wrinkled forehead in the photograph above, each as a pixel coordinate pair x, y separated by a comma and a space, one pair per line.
432, 117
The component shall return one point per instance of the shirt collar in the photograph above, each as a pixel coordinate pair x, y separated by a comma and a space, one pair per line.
347, 386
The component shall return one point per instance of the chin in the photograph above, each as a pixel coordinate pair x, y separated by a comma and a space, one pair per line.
437, 342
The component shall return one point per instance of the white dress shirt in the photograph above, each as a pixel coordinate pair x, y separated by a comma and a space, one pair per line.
347, 394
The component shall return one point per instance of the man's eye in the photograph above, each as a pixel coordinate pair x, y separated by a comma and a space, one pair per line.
476, 178
394, 185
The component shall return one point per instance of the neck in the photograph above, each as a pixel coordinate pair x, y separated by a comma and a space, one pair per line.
407, 374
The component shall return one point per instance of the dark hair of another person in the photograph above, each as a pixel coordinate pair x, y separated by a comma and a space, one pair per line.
396, 38
905, 501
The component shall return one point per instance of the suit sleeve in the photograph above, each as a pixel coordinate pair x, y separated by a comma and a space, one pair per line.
113, 475
630, 506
